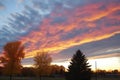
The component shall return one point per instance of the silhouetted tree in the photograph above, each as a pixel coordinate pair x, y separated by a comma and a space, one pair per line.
28, 71
42, 64
57, 70
11, 59
78, 68
1, 68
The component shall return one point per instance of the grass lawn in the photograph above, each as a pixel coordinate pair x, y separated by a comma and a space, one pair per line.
32, 78
106, 79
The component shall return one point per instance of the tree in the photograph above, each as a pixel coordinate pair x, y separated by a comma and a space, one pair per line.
57, 70
78, 68
11, 59
42, 64
28, 72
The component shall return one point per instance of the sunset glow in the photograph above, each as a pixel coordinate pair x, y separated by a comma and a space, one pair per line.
108, 64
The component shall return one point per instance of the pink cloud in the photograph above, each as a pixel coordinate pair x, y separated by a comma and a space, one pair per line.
48, 37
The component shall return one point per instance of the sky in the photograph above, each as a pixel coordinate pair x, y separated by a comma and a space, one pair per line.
61, 27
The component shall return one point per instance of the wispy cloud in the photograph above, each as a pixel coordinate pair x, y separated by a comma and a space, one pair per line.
84, 24
20, 1
60, 24
105, 56
2, 6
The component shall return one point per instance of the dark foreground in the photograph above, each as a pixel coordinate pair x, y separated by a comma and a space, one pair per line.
45, 78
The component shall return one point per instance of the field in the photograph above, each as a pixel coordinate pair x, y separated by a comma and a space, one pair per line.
32, 78
106, 79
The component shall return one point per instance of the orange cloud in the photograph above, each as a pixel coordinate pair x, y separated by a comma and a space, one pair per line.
49, 35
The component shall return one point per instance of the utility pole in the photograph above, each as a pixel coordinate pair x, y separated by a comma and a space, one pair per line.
96, 69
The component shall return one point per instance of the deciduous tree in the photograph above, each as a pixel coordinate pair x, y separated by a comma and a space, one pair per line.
42, 63
11, 59
55, 69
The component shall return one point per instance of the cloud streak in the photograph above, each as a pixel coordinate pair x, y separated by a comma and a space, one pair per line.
60, 24
84, 24
2, 6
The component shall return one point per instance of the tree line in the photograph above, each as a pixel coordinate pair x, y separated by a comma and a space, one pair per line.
13, 53
11, 62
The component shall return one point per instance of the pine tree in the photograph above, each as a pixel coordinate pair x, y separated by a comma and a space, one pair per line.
78, 68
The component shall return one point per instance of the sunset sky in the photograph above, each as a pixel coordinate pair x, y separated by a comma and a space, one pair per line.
63, 26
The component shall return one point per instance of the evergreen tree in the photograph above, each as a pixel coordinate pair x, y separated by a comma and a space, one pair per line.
78, 68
